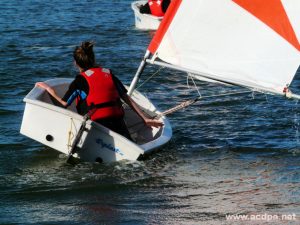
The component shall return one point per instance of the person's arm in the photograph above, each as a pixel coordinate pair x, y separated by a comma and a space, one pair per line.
149, 122
129, 101
52, 92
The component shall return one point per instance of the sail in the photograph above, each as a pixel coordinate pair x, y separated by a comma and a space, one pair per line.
252, 43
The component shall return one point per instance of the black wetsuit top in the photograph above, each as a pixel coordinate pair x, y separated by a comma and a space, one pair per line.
145, 9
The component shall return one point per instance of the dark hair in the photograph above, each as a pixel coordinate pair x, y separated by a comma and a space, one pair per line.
84, 55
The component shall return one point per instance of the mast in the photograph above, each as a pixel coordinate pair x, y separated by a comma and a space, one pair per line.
138, 73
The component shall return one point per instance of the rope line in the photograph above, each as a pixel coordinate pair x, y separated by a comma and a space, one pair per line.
192, 101
149, 78
195, 85
188, 103
70, 135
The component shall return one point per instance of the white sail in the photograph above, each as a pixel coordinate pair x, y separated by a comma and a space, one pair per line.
253, 43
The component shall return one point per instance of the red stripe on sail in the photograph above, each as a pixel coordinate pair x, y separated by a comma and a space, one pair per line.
163, 27
273, 14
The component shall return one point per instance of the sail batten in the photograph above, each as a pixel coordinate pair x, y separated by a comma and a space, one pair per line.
235, 41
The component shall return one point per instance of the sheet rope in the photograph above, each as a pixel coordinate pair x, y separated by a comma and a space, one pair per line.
188, 103
192, 101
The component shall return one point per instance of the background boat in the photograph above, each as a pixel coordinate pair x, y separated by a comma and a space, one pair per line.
144, 21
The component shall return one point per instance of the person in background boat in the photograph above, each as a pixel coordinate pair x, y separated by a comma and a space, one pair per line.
155, 7
97, 89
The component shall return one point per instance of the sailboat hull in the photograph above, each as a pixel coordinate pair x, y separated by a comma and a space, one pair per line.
57, 127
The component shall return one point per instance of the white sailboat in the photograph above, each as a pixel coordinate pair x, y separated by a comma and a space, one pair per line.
144, 21
246, 43
58, 128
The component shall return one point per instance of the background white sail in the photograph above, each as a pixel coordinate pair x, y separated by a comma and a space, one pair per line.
227, 42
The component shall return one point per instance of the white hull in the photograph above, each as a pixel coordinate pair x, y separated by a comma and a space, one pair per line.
57, 127
144, 21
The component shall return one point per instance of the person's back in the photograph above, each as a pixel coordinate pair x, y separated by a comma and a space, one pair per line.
103, 94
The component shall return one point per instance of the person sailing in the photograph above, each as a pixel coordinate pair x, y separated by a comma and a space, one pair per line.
97, 89
155, 7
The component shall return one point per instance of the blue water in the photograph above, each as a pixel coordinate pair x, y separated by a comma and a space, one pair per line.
228, 155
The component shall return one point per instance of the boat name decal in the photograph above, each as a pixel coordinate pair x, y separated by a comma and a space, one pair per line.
108, 146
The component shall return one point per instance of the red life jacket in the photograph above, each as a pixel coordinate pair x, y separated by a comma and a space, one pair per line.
103, 94
156, 7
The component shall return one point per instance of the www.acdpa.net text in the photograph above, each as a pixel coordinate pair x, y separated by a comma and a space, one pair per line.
262, 217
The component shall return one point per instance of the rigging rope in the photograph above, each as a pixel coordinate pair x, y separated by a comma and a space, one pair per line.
70, 135
192, 101
197, 88
154, 74
188, 103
